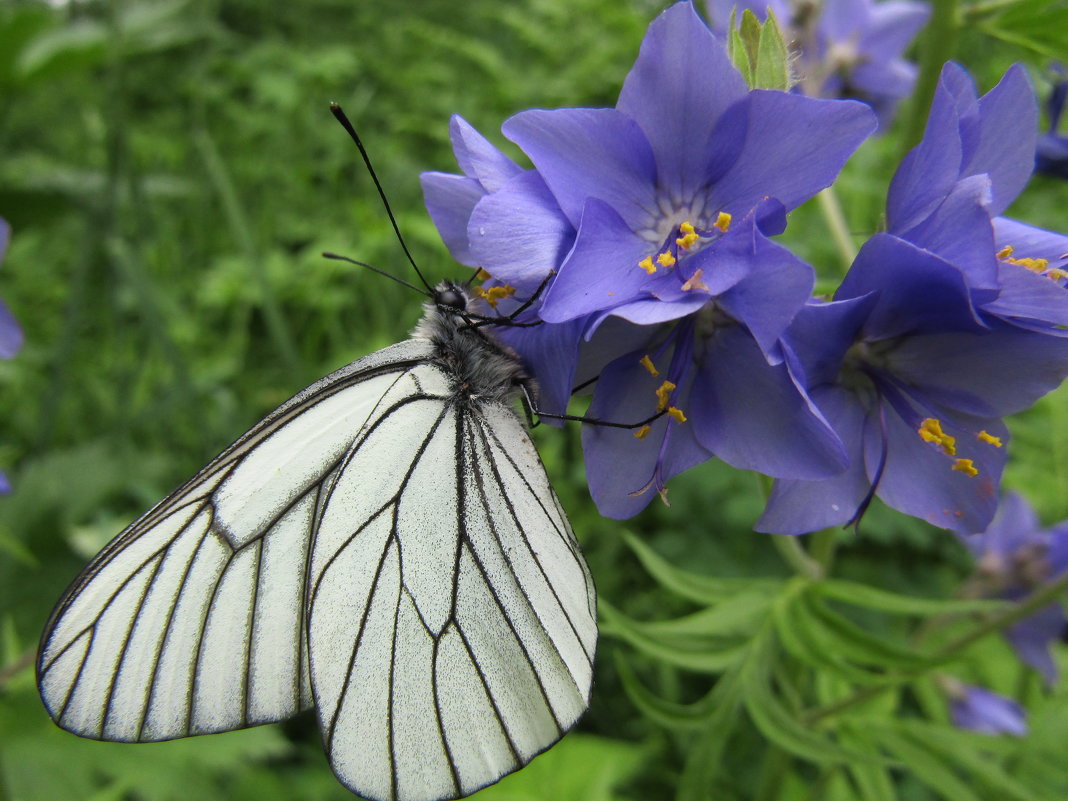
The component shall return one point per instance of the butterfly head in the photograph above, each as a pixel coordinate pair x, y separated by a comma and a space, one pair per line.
449, 297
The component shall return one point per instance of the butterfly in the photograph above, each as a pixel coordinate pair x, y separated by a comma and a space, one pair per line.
384, 547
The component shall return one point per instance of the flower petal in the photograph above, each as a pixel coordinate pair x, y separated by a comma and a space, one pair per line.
478, 158
1008, 130
919, 478
988, 713
10, 333
892, 27
450, 200
624, 472
918, 291
822, 333
601, 271
1004, 370
518, 234
774, 287
679, 87
1033, 637
753, 415
791, 148
798, 507
590, 152
550, 353
959, 231
928, 172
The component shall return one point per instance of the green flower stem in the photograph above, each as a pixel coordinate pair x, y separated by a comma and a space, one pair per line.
1041, 597
795, 556
833, 215
821, 547
1031, 604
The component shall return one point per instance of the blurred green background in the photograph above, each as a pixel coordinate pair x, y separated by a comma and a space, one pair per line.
172, 174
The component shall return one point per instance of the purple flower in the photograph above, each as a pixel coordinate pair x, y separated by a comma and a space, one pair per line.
655, 215
1014, 556
10, 333
984, 711
849, 48
975, 158
1051, 152
938, 330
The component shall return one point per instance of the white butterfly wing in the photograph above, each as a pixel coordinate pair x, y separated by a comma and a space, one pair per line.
193, 619
452, 632
377, 544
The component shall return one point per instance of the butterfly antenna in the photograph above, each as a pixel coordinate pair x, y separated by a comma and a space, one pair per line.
372, 268
335, 109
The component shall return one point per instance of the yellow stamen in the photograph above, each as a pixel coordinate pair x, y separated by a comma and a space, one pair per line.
663, 394
482, 275
930, 430
642, 432
695, 282
966, 466
723, 221
1005, 252
647, 363
689, 236
1056, 273
1034, 265
647, 265
493, 295
676, 414
665, 259
989, 439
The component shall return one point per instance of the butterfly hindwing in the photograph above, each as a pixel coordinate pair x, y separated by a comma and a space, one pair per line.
451, 635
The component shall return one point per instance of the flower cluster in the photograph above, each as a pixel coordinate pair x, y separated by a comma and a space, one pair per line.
843, 48
653, 223
949, 321
655, 216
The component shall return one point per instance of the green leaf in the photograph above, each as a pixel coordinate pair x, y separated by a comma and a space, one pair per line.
773, 719
970, 751
710, 654
804, 636
872, 779
927, 767
669, 714
705, 757
772, 69
1038, 26
76, 46
694, 586
581, 767
735, 617
750, 29
869, 597
856, 644
736, 49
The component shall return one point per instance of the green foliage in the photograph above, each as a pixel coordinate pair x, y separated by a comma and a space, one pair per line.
172, 175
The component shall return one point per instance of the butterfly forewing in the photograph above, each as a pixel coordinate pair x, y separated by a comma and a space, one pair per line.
192, 620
